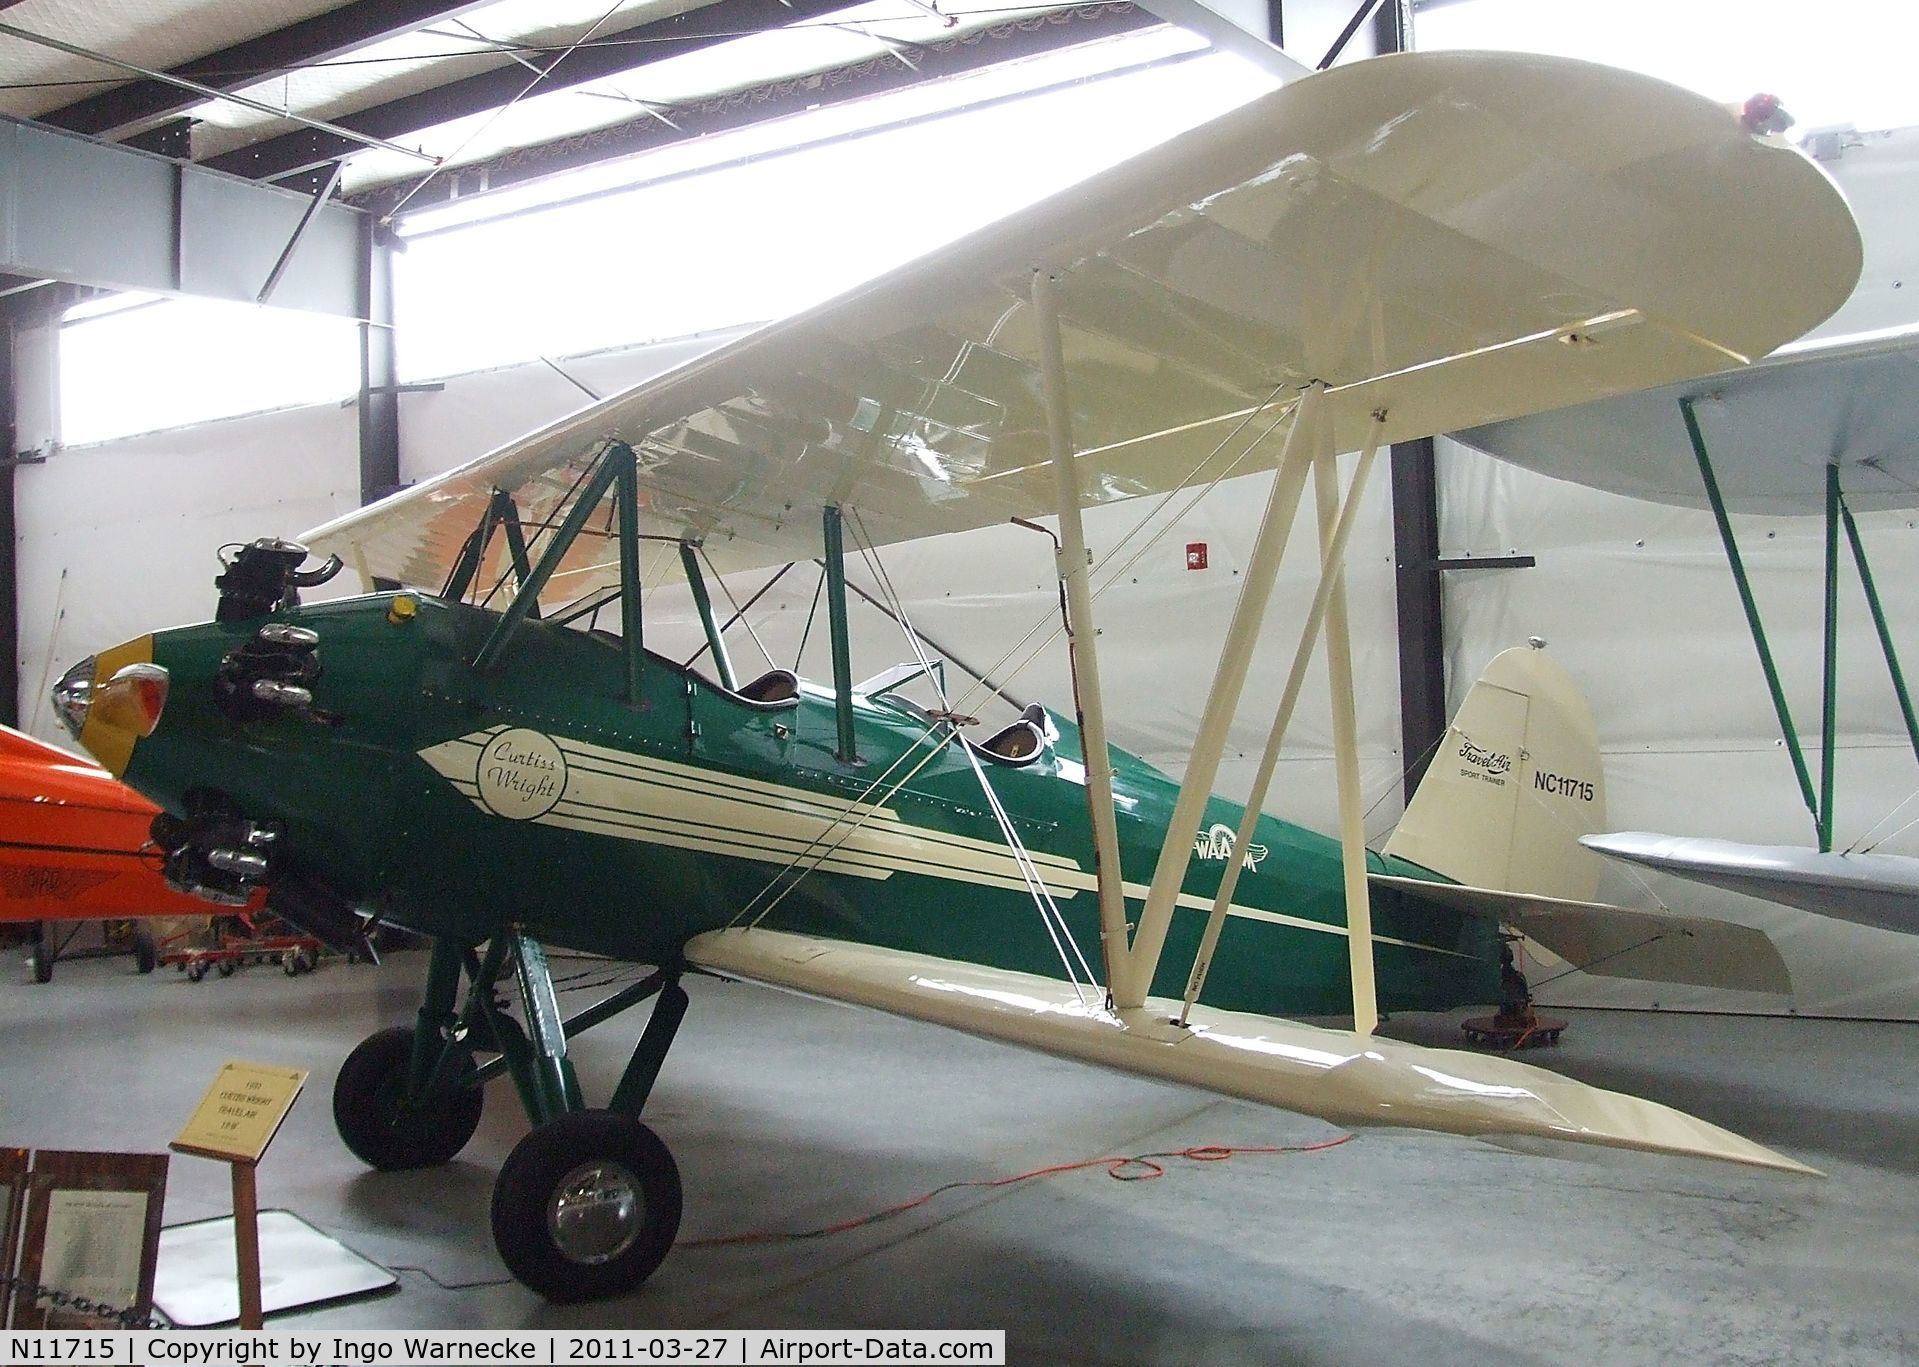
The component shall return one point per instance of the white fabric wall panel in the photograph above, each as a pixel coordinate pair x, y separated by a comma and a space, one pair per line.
1639, 604
118, 538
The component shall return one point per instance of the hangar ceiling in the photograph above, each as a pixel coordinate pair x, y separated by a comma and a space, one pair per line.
394, 90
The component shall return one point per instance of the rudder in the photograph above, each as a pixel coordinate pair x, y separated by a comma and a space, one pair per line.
1516, 782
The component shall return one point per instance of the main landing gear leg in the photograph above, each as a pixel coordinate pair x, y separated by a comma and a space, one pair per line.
588, 1204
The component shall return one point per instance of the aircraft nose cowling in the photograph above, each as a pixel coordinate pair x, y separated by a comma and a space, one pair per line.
112, 700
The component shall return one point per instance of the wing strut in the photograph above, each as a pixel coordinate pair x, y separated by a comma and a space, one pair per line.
1339, 676
1074, 570
1289, 481
1331, 579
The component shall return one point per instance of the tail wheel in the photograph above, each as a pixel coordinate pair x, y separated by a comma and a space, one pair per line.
586, 1206
370, 1110
146, 955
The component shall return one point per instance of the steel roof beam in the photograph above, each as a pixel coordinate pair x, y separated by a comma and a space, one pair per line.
338, 31
97, 213
780, 99
611, 54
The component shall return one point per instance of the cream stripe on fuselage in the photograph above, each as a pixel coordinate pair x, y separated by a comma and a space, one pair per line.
655, 801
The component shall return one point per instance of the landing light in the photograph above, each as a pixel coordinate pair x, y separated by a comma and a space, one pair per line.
133, 699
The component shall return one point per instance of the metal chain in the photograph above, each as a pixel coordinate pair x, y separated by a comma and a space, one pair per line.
32, 1293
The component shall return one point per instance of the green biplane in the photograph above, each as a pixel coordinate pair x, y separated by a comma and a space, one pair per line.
496, 760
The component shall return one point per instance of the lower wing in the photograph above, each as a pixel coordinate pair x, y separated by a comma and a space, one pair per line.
1346, 1078
1620, 942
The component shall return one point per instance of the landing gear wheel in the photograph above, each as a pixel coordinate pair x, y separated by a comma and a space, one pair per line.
146, 955
586, 1206
306, 959
41, 957
290, 963
383, 1133
195, 972
225, 968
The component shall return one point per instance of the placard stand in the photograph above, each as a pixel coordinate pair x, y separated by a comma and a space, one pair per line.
233, 1124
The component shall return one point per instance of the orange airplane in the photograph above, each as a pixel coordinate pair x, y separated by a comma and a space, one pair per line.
74, 847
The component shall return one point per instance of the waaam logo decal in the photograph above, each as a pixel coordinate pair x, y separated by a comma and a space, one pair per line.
521, 774
1217, 843
1491, 766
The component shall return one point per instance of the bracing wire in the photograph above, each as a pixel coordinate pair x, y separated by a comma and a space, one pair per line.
739, 613
1050, 915
994, 669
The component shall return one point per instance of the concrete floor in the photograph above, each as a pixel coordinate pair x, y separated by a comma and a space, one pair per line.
789, 1114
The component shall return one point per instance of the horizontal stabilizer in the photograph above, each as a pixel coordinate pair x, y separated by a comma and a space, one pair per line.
1619, 942
1347, 1078
1872, 889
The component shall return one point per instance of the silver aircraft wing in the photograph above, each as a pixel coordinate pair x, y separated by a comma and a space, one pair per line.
1879, 890
1771, 430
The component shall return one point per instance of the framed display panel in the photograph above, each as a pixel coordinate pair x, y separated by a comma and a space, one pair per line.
91, 1231
13, 1186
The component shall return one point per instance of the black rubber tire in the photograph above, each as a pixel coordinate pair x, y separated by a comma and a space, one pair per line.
226, 967
366, 1107
530, 1179
146, 954
196, 971
41, 956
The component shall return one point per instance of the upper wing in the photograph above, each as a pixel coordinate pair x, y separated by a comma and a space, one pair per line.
1873, 889
1771, 430
1451, 238
1620, 942
1344, 1077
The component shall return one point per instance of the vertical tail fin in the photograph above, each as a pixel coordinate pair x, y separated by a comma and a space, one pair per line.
1513, 786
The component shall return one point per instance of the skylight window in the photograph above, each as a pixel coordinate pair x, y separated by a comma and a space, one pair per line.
139, 364
1848, 62
688, 254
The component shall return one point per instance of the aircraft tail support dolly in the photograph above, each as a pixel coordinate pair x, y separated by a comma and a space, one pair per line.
589, 1202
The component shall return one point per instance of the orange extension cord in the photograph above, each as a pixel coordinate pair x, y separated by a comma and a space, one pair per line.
1142, 1167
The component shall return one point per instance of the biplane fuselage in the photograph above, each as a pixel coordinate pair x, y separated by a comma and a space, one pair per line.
459, 802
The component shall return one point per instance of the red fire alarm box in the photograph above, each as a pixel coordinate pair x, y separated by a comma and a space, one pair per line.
1195, 555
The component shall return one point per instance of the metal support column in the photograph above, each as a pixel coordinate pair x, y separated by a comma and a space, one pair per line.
1332, 558
643, 1069
1879, 625
1075, 570
525, 603
436, 1017
626, 497
696, 581
835, 555
554, 1085
379, 399
1339, 678
1829, 707
9, 557
1422, 642
1746, 601
1222, 699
